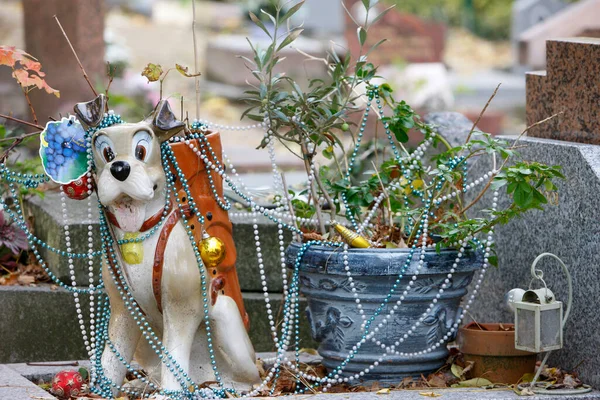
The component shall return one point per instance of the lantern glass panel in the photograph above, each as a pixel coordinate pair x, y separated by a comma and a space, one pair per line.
525, 328
550, 325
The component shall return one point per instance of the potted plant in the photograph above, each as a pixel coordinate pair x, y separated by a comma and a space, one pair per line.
387, 311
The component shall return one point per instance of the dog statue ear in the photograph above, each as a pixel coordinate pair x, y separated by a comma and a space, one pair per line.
165, 122
92, 112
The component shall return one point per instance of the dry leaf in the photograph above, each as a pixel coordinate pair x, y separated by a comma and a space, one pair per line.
527, 392
10, 279
25, 279
26, 69
383, 391
184, 71
528, 377
475, 382
430, 394
152, 72
308, 350
457, 370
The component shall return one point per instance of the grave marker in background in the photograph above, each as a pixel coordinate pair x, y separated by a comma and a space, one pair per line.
569, 84
409, 38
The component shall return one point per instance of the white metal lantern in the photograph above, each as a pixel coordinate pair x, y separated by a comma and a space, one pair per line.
538, 322
539, 319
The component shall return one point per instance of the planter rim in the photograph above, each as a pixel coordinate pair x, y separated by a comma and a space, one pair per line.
489, 343
383, 262
369, 250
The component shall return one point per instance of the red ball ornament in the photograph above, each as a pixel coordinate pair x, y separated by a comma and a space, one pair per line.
77, 190
67, 384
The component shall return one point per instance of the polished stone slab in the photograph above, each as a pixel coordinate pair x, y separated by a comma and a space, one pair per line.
569, 229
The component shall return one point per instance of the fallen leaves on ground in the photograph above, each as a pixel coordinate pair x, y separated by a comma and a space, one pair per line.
24, 275
472, 383
430, 394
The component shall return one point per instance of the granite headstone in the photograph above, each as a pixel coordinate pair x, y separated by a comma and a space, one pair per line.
568, 229
569, 85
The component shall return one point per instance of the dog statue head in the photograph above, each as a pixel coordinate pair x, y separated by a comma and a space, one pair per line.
129, 173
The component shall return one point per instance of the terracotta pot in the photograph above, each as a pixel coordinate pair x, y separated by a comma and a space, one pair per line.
494, 354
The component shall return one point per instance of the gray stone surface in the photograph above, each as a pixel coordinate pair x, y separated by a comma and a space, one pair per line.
48, 226
40, 324
569, 230
15, 387
454, 126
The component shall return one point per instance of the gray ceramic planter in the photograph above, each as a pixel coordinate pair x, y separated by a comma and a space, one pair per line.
335, 321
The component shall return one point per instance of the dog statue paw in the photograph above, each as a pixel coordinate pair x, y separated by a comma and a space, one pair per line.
152, 273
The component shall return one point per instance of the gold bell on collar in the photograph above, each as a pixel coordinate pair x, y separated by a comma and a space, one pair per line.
353, 238
133, 252
212, 250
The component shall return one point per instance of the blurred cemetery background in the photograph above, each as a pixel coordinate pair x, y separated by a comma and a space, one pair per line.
447, 55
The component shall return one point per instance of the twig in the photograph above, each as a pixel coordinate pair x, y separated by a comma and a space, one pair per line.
10, 148
22, 122
196, 80
23, 136
110, 77
482, 112
182, 108
54, 364
312, 188
26, 93
329, 200
487, 186
76, 57
289, 202
387, 196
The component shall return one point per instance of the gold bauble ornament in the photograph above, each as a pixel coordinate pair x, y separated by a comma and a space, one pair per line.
353, 238
133, 252
212, 250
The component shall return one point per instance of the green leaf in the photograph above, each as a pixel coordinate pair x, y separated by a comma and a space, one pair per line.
362, 35
259, 23
367, 4
290, 12
84, 374
381, 15
290, 38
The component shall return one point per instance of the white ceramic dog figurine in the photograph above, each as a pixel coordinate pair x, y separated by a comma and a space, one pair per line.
131, 184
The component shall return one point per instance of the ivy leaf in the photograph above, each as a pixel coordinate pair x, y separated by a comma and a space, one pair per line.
152, 72
184, 71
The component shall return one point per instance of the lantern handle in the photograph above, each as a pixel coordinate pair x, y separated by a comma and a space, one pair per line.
539, 274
